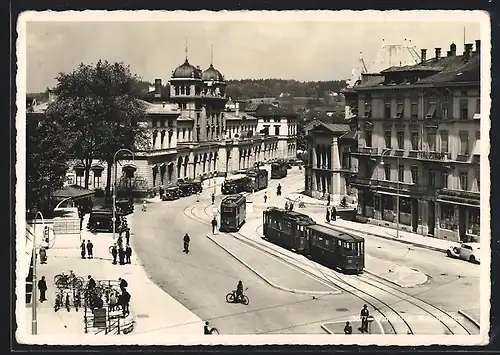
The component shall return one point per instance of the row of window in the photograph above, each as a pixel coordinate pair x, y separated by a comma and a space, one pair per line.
416, 143
276, 130
348, 248
433, 177
434, 108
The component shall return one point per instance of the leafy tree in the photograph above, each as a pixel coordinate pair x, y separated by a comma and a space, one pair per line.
98, 105
47, 152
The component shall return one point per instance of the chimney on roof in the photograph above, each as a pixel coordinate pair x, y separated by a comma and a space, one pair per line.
468, 50
157, 87
478, 46
448, 53
423, 52
453, 49
438, 53
237, 109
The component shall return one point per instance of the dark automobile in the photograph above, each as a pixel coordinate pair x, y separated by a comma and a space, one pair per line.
196, 186
171, 193
185, 189
125, 206
101, 220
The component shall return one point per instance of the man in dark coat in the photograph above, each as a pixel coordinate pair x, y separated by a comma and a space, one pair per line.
328, 215
42, 287
90, 248
123, 284
213, 198
125, 298
114, 253
127, 235
328, 200
365, 313
334, 214
214, 225
128, 254
121, 255
82, 247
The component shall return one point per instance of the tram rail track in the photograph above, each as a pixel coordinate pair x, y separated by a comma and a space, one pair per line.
394, 318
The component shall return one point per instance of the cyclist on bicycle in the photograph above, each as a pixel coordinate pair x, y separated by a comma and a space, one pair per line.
239, 290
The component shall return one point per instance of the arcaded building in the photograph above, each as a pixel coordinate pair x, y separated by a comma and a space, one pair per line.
193, 135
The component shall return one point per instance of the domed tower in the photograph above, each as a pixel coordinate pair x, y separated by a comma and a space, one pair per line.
214, 100
186, 90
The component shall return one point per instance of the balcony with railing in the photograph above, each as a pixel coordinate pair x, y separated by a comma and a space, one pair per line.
365, 151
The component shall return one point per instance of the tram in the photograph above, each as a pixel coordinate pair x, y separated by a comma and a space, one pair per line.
286, 228
300, 233
232, 213
235, 184
336, 249
278, 170
259, 179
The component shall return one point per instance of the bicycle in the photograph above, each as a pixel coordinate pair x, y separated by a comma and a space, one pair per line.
68, 281
58, 302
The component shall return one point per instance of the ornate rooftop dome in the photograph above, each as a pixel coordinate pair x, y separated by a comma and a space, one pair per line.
186, 71
212, 74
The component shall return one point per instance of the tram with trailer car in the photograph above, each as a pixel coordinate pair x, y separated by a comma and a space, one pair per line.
232, 213
278, 170
286, 228
298, 232
259, 179
235, 184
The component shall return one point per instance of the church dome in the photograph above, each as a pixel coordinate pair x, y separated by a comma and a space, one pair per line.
212, 74
186, 71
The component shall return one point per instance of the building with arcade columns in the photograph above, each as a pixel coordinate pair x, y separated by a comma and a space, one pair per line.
193, 134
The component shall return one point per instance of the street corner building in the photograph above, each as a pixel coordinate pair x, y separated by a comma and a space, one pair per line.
413, 137
196, 132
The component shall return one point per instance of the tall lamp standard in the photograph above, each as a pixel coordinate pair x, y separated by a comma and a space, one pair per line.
34, 290
114, 186
397, 189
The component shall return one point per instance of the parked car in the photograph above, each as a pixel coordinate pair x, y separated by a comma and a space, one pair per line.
101, 220
466, 251
196, 186
171, 193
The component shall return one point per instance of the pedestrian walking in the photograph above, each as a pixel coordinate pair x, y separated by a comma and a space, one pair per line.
43, 255
214, 225
90, 249
123, 284
286, 206
90, 286
348, 328
127, 235
278, 190
114, 253
365, 313
197, 196
128, 254
290, 206
120, 242
328, 215
265, 197
82, 247
42, 287
113, 301
125, 298
333, 214
81, 215
213, 198
328, 200
121, 255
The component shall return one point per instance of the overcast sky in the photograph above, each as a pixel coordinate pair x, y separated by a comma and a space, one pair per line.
313, 50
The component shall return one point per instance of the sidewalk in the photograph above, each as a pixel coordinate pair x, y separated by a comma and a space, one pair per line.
153, 310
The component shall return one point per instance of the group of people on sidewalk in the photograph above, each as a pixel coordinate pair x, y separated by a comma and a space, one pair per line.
331, 214
120, 298
123, 253
87, 249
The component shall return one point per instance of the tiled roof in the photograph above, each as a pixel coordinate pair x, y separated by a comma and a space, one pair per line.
458, 71
232, 116
265, 110
333, 127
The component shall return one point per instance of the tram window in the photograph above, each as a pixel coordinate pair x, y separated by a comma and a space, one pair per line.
287, 227
327, 243
339, 242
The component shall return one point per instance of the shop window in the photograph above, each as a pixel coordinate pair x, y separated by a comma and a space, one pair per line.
388, 138
444, 142
400, 135
414, 140
444, 180
463, 178
464, 143
447, 218
387, 171
368, 138
388, 202
404, 205
401, 172
414, 174
464, 109
474, 221
97, 178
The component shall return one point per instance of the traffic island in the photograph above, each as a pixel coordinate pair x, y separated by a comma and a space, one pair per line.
337, 328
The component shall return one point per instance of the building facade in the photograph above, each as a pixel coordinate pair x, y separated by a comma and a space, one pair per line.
419, 145
193, 135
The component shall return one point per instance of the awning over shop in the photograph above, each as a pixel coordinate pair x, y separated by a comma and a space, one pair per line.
72, 191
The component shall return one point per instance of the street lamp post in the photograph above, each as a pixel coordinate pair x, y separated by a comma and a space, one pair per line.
34, 289
114, 186
397, 189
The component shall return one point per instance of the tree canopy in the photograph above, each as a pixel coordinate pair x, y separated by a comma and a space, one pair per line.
99, 110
